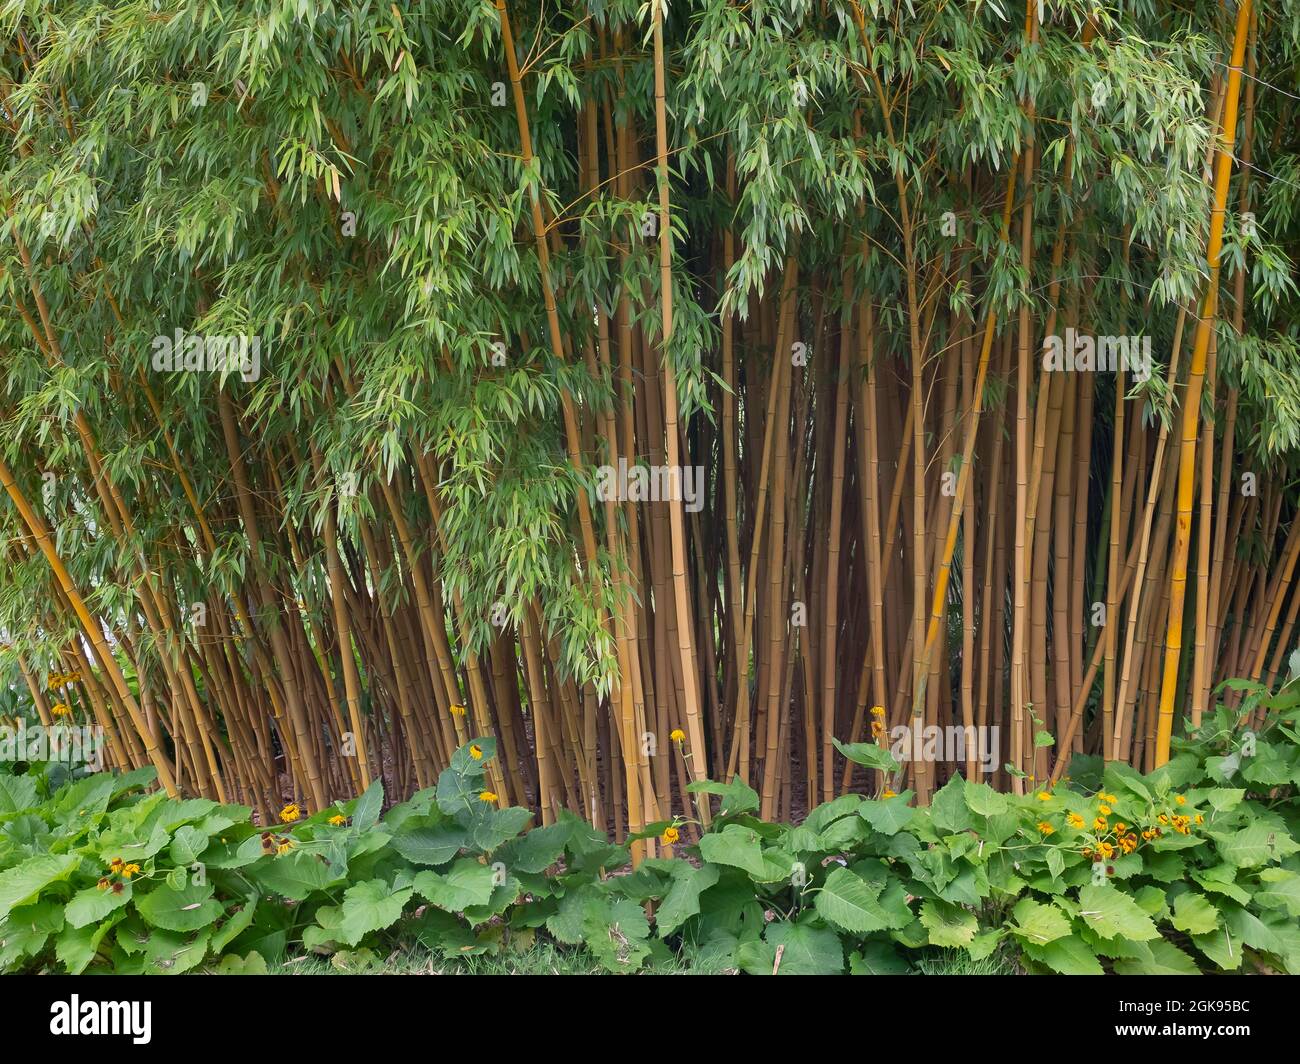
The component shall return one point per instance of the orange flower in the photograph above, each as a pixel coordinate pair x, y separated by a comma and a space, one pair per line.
670, 836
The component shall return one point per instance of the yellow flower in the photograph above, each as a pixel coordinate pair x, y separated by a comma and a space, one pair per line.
670, 836
1181, 800
1099, 824
456, 710
677, 735
284, 846
1104, 810
1163, 818
338, 819
877, 729
887, 793
290, 813
129, 870
1074, 820
877, 711
60, 710
1128, 843
1045, 828
1043, 796
487, 796
115, 865
476, 751
103, 883
1200, 819
1106, 850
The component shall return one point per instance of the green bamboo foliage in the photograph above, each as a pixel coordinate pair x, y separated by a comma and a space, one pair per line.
339, 343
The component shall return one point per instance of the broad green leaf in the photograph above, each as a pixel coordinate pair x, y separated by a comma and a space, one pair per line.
683, 898
849, 902
948, 925
370, 906
24, 882
1068, 955
467, 883
430, 845
1112, 913
186, 909
1158, 957
1194, 914
1038, 923
734, 845
92, 904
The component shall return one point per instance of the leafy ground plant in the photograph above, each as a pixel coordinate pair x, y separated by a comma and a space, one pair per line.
1194, 867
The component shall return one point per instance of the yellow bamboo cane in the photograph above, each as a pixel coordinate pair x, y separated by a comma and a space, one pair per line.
1192, 400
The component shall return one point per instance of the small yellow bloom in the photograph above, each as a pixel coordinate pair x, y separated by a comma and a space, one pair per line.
1200, 819
877, 711
877, 729
456, 710
1106, 850
130, 870
1045, 828
887, 793
1181, 800
1074, 820
1099, 824
103, 883
487, 796
285, 846
1107, 798
677, 735
290, 813
670, 836
338, 819
476, 751
1043, 796
115, 865
60, 710
1105, 810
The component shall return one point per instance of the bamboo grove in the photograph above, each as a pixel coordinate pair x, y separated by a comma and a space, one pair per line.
812, 259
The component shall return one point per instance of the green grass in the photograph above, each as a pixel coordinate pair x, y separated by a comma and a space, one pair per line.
958, 962
543, 958
546, 958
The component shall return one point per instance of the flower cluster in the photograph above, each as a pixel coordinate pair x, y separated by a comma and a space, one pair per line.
878, 721
62, 679
278, 844
1111, 838
117, 868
